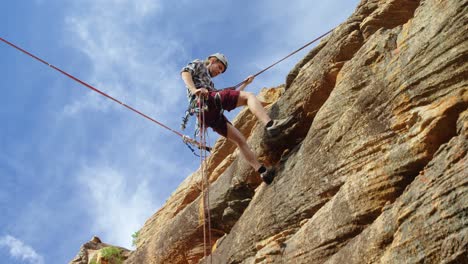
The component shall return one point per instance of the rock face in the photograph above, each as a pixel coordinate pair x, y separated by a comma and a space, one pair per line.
374, 170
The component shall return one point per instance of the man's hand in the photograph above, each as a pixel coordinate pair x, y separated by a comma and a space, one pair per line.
249, 79
203, 92
246, 82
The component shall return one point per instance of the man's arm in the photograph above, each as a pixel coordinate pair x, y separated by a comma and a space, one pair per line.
187, 77
246, 82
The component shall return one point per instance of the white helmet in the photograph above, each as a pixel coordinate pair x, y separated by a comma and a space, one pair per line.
221, 58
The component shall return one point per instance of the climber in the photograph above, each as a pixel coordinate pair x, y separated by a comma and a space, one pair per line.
197, 76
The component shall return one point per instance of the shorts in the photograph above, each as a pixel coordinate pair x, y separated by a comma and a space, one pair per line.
213, 117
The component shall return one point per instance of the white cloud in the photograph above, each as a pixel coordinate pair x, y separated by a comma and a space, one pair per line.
131, 59
116, 204
19, 250
128, 180
126, 60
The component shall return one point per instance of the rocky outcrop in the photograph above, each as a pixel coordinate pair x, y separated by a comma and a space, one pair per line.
92, 253
374, 168
377, 112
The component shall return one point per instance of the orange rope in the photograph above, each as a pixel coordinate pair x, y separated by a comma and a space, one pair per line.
207, 240
185, 138
289, 55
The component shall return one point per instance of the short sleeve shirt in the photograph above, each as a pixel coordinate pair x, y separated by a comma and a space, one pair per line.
200, 75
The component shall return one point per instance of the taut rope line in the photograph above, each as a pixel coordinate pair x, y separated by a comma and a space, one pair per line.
289, 55
185, 138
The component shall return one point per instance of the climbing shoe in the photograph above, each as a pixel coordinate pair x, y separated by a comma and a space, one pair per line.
268, 175
275, 127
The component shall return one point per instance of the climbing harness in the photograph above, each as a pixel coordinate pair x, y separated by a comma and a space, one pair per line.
187, 140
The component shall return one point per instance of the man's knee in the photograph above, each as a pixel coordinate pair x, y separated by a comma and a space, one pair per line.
249, 95
244, 97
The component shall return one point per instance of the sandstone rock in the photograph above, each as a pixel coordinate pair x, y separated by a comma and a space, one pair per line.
395, 103
388, 14
427, 223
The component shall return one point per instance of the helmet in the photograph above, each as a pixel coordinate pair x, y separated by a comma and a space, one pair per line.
221, 58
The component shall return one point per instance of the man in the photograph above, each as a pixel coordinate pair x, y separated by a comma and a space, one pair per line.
197, 76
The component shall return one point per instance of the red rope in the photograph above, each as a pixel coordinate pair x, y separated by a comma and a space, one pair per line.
289, 55
185, 138
102, 93
207, 239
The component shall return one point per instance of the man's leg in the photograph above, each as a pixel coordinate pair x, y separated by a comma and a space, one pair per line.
273, 127
236, 136
233, 134
255, 106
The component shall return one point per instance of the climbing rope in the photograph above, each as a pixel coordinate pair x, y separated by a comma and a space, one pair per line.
187, 140
207, 241
274, 64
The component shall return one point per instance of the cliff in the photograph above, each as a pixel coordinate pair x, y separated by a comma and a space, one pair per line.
374, 169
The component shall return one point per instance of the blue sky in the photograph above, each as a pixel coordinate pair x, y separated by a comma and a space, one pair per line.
74, 164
